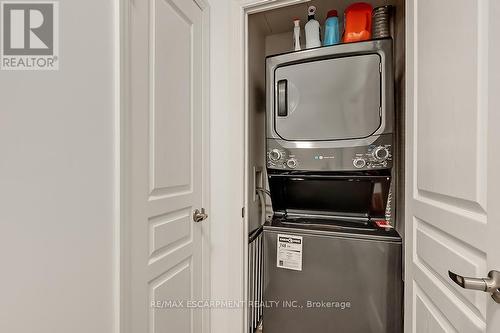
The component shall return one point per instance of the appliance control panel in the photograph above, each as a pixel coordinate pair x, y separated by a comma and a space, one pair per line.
280, 159
377, 155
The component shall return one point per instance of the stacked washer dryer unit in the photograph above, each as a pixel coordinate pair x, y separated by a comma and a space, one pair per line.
330, 263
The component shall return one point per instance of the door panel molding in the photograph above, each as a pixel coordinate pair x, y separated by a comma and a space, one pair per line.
462, 317
454, 222
453, 203
447, 167
176, 276
429, 241
163, 236
445, 100
157, 196
435, 320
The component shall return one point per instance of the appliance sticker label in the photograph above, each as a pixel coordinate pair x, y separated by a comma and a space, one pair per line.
289, 252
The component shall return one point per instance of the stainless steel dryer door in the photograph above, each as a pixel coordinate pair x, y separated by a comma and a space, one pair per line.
332, 99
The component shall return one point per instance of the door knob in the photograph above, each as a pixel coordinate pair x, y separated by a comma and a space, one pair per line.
491, 284
199, 216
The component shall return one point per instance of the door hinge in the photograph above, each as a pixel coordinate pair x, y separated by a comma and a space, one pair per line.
242, 211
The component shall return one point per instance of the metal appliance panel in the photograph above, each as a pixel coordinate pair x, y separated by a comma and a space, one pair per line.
332, 99
381, 48
317, 157
361, 194
307, 133
364, 270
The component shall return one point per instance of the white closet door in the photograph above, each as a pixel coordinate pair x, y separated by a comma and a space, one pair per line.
166, 154
453, 156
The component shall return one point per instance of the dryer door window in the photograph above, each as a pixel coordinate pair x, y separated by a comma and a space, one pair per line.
333, 99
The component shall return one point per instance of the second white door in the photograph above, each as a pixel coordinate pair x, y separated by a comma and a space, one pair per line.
452, 220
166, 167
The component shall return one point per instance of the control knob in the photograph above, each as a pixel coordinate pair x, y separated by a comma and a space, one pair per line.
380, 153
275, 155
292, 163
359, 162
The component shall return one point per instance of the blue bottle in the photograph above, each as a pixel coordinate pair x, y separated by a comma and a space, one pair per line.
332, 33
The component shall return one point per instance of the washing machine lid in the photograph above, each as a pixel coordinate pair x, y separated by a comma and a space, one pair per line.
357, 194
331, 99
332, 226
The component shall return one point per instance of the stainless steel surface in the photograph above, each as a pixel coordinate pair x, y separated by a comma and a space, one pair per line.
328, 144
491, 284
324, 159
343, 227
331, 99
338, 267
351, 261
380, 48
321, 137
199, 216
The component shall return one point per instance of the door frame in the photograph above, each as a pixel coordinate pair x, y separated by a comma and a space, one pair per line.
240, 10
122, 244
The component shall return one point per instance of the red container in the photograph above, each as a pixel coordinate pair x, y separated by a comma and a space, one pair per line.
357, 22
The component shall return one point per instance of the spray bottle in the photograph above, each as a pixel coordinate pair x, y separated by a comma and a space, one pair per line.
296, 34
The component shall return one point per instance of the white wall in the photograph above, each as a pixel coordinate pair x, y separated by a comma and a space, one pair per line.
256, 116
281, 43
57, 183
226, 174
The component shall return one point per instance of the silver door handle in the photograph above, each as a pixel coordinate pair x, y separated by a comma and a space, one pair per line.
199, 216
282, 98
491, 284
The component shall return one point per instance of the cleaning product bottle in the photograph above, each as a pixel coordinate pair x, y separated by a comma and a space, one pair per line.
357, 22
312, 29
296, 34
332, 35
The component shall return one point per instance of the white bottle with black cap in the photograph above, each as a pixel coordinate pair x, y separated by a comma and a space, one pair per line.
312, 29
